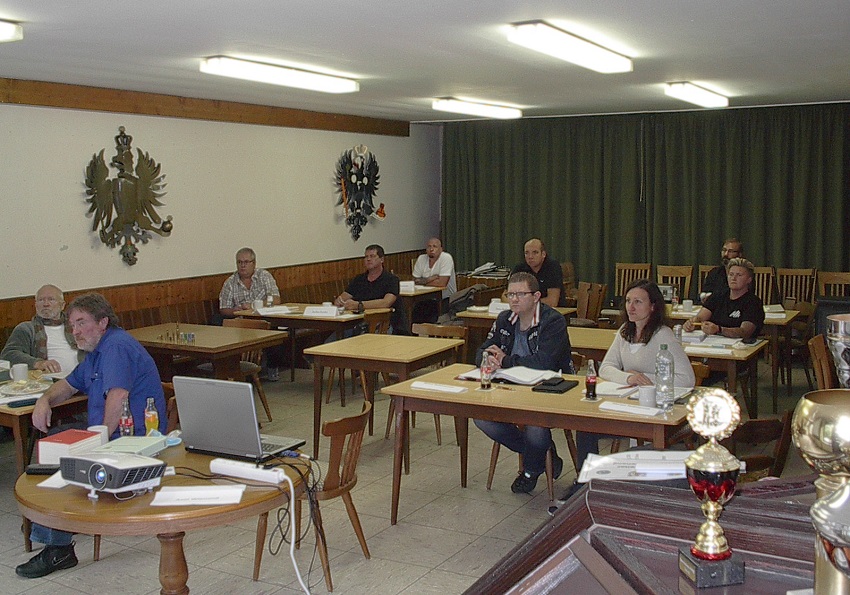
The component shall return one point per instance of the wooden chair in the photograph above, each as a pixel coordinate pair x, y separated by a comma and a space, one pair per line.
677, 276
589, 298
568, 272
822, 362
763, 282
444, 332
626, 272
833, 284
758, 432
346, 436
376, 323
802, 329
798, 284
703, 271
250, 364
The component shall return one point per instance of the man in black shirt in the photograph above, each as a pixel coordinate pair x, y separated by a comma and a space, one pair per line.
376, 288
716, 281
736, 312
547, 270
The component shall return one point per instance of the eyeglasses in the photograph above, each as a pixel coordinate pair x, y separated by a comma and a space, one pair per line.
244, 262
517, 294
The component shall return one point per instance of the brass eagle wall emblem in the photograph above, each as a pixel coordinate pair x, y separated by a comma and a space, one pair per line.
125, 206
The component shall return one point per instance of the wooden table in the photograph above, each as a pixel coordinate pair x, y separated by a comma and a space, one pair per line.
70, 509
480, 322
772, 327
409, 299
20, 420
594, 343
222, 346
517, 404
296, 320
372, 353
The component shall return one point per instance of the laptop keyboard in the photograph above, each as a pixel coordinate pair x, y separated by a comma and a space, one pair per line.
272, 446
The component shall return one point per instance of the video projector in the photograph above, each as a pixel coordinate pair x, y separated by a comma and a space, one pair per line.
113, 473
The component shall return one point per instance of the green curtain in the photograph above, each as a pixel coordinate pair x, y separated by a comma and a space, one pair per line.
660, 188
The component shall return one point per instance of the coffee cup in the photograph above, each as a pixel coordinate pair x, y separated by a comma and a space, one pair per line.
102, 430
327, 304
646, 396
257, 304
20, 373
688, 305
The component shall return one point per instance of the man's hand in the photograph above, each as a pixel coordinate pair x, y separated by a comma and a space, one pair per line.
350, 305
709, 328
48, 365
497, 355
41, 414
689, 325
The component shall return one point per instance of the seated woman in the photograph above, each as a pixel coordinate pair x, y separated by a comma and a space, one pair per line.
631, 357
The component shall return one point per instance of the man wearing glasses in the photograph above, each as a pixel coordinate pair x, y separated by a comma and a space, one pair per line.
533, 335
716, 280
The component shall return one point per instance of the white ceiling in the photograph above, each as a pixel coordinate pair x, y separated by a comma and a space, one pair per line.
405, 53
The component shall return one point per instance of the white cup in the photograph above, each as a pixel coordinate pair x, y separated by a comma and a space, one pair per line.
20, 373
688, 305
646, 395
102, 430
326, 304
257, 304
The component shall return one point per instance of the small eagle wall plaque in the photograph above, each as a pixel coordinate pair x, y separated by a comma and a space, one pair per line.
124, 207
356, 182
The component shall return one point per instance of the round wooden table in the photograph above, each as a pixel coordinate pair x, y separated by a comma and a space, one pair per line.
70, 509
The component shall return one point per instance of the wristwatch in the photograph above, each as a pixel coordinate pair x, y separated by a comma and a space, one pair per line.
360, 308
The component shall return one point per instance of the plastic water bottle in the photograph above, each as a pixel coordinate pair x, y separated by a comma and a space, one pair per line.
664, 375
151, 417
125, 422
590, 381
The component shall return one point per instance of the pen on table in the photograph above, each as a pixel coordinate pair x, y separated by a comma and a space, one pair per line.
503, 387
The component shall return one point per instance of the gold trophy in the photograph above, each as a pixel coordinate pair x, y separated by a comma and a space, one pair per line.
712, 474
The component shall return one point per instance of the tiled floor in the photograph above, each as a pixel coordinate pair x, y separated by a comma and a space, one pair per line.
446, 537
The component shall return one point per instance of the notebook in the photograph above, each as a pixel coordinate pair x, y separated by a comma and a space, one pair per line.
219, 418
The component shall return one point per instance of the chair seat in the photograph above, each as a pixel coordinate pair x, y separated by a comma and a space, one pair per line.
247, 368
583, 322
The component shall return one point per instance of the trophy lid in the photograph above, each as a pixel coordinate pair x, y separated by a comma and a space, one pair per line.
713, 413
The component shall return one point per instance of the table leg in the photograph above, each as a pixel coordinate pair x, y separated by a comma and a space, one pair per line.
259, 546
462, 435
318, 372
292, 354
20, 431
398, 454
173, 572
774, 363
371, 381
787, 329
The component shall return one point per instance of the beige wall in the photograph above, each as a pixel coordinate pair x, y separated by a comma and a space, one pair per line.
229, 185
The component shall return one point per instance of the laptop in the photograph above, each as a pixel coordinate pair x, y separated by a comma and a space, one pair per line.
219, 418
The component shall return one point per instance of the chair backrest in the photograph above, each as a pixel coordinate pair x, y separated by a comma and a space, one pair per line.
822, 362
568, 271
763, 280
678, 276
796, 283
626, 272
171, 413
832, 284
755, 432
249, 356
596, 297
445, 332
482, 298
578, 360
378, 322
701, 372
704, 270
346, 436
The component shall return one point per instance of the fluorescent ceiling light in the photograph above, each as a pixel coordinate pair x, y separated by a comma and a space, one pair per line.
10, 31
697, 95
278, 75
486, 110
545, 38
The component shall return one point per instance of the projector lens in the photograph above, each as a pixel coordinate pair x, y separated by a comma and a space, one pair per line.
97, 476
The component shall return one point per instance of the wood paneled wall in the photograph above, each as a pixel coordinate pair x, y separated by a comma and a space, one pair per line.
194, 299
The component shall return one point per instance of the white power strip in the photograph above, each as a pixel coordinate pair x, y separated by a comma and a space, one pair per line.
245, 470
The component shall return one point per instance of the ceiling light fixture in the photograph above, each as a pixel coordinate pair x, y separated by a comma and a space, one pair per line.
278, 75
11, 31
545, 38
697, 95
471, 108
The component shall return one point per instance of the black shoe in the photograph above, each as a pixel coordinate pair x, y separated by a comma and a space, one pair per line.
50, 559
557, 467
570, 491
524, 483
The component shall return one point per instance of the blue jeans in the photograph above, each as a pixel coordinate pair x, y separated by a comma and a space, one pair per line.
531, 442
49, 536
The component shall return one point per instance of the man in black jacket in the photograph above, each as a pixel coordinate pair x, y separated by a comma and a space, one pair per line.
533, 335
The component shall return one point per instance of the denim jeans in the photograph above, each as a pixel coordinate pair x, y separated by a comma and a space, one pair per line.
531, 442
49, 536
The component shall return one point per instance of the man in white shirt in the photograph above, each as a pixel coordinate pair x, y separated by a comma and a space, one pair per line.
45, 342
435, 268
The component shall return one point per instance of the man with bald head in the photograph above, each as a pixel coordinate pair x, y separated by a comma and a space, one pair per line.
435, 268
547, 270
44, 343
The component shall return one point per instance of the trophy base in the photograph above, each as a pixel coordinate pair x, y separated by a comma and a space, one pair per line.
707, 573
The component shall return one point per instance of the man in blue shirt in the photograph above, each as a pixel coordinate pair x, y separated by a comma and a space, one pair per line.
116, 368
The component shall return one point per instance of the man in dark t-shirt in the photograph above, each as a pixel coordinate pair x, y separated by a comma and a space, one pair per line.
547, 270
376, 288
736, 312
716, 281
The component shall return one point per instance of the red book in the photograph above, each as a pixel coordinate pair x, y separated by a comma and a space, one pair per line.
63, 444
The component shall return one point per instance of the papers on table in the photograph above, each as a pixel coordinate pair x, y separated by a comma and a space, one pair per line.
777, 315
272, 310
442, 388
54, 481
629, 409
14, 399
707, 350
636, 465
693, 336
719, 341
607, 388
775, 308
407, 286
198, 495
517, 375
